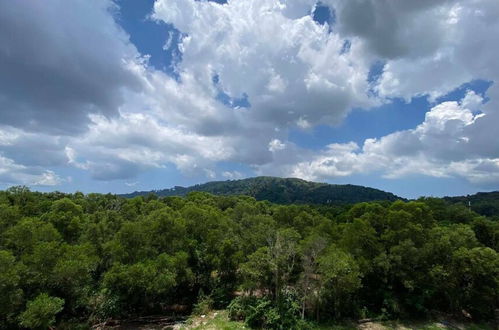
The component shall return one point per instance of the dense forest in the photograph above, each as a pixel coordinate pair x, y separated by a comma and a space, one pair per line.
484, 203
68, 259
282, 191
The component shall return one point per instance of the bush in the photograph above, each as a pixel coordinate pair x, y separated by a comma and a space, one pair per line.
240, 307
40, 312
266, 313
203, 306
104, 305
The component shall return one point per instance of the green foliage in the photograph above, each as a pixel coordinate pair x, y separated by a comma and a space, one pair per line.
40, 313
103, 305
10, 291
280, 191
141, 284
475, 279
486, 204
257, 271
67, 218
265, 313
487, 232
203, 306
108, 257
241, 306
340, 277
23, 236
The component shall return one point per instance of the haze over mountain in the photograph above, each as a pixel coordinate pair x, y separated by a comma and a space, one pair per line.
282, 191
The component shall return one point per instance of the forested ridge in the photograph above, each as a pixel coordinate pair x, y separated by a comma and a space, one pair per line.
484, 203
282, 191
71, 260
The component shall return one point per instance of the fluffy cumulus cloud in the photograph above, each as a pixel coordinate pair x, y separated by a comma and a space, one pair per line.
433, 48
121, 148
445, 144
291, 69
12, 173
467, 33
75, 92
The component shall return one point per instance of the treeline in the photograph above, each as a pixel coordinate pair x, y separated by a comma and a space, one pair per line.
71, 259
484, 203
282, 191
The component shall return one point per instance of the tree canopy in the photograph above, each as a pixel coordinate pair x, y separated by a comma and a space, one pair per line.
86, 258
282, 191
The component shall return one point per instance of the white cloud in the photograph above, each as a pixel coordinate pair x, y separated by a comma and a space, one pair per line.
466, 32
276, 145
232, 175
98, 106
289, 66
210, 174
337, 160
303, 123
13, 174
442, 146
48, 178
472, 101
135, 142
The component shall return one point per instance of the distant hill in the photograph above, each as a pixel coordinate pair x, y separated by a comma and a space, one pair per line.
282, 191
484, 203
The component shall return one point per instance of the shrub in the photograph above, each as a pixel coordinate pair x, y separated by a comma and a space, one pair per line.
103, 305
203, 306
240, 307
40, 313
266, 313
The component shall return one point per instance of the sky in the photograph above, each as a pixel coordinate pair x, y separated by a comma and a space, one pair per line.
117, 96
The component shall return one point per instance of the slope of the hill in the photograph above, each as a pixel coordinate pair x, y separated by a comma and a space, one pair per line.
282, 191
484, 203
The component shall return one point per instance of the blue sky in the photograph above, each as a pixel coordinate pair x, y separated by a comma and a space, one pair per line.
138, 95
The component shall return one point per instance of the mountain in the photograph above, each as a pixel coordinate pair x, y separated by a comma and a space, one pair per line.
484, 203
282, 191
